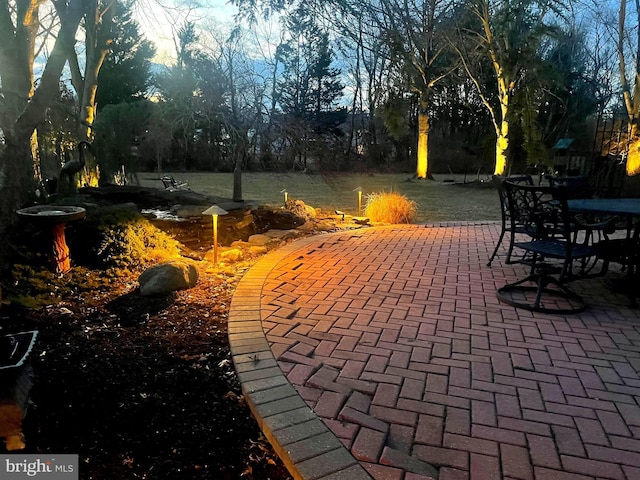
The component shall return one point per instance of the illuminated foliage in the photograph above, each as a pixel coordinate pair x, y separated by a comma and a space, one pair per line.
390, 208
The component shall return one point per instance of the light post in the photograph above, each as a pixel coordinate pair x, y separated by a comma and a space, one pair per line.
286, 195
359, 190
214, 211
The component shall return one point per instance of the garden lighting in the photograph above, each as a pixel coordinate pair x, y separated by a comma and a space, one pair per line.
214, 211
359, 190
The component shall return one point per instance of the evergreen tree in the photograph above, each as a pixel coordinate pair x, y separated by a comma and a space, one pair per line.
309, 84
125, 75
194, 99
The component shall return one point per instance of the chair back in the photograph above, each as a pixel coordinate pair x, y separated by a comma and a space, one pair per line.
519, 180
168, 181
540, 210
576, 186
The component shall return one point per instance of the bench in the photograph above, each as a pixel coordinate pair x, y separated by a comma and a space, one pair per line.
171, 184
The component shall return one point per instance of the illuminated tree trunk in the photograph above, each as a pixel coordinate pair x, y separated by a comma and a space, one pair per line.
98, 27
631, 98
422, 170
502, 137
633, 155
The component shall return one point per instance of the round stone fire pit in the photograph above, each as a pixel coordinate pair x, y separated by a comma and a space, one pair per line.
55, 217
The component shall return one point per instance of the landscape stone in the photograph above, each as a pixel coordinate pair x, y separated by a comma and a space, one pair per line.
188, 211
167, 277
232, 255
260, 239
257, 250
281, 234
280, 219
301, 209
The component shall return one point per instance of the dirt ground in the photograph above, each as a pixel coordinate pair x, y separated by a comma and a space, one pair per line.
143, 388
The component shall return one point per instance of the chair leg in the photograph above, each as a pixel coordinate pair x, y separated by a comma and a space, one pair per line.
512, 239
495, 250
510, 293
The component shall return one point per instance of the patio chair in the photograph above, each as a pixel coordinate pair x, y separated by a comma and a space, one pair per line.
506, 219
575, 186
550, 253
172, 184
625, 251
592, 227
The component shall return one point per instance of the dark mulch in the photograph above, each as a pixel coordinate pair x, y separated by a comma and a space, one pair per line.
143, 388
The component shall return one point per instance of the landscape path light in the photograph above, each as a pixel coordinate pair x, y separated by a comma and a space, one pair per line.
286, 195
214, 211
359, 190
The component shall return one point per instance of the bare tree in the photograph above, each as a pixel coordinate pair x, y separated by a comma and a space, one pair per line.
23, 105
629, 58
507, 35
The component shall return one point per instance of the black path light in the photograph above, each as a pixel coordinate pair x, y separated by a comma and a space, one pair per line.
214, 211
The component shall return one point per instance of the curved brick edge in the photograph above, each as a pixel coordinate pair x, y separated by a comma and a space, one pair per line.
309, 450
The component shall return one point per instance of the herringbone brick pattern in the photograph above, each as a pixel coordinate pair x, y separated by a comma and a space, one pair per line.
395, 338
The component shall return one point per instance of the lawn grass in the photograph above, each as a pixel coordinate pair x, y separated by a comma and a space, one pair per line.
437, 200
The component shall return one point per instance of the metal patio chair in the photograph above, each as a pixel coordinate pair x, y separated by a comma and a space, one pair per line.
507, 225
591, 227
551, 253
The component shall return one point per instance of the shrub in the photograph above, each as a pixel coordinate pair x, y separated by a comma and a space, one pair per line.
107, 244
390, 208
121, 240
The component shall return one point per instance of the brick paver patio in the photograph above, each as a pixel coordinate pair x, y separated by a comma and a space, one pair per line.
388, 356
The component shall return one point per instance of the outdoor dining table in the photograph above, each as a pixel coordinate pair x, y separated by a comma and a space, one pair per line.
625, 250
624, 207
627, 208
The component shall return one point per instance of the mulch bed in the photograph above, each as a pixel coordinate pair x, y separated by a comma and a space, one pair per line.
143, 388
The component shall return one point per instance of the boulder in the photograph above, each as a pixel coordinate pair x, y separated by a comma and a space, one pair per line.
188, 211
260, 239
167, 277
238, 224
257, 250
231, 256
281, 234
301, 209
240, 244
268, 218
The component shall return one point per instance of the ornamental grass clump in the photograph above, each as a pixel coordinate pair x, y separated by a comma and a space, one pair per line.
390, 208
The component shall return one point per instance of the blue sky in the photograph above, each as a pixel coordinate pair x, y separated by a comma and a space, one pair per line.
159, 21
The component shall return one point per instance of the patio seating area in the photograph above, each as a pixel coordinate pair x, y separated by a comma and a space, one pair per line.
385, 353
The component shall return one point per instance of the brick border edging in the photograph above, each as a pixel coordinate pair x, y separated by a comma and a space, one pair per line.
309, 450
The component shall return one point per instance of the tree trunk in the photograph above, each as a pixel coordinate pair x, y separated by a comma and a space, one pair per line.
502, 135
237, 180
422, 170
16, 163
502, 145
631, 98
633, 155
